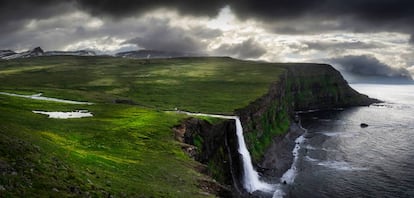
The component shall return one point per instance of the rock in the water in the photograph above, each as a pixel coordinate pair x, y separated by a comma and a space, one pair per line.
363, 125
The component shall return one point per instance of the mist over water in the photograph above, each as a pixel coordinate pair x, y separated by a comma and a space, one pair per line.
398, 94
340, 159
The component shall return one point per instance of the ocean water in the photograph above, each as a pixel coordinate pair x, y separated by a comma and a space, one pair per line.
339, 158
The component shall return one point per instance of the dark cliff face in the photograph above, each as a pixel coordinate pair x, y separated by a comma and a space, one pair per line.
215, 146
320, 86
268, 123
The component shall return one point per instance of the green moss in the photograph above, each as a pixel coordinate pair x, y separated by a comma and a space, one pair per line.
216, 167
198, 142
274, 121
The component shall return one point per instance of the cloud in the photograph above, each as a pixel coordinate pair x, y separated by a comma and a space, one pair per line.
14, 14
160, 35
307, 15
248, 49
163, 30
364, 65
411, 70
375, 13
358, 15
334, 45
53, 33
122, 8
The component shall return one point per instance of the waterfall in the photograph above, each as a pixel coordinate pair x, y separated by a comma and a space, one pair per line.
251, 181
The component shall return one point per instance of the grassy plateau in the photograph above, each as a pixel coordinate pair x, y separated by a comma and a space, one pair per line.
124, 150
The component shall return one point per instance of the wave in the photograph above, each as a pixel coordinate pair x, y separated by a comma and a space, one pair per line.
337, 165
307, 158
309, 147
337, 134
340, 165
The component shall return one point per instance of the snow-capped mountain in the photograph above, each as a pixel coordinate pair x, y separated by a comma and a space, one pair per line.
30, 53
8, 54
4, 53
139, 54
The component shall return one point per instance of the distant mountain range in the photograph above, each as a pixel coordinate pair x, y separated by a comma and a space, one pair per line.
138, 54
9, 54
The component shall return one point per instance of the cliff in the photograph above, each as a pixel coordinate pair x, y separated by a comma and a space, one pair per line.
269, 123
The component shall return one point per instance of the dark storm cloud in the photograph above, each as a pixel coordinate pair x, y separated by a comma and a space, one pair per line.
14, 13
245, 50
120, 8
365, 65
159, 35
355, 15
386, 14
17, 9
375, 11
336, 45
280, 16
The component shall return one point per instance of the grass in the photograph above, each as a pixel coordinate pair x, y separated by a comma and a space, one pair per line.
124, 150
210, 85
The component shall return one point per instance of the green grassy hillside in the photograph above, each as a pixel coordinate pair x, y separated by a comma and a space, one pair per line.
211, 85
124, 150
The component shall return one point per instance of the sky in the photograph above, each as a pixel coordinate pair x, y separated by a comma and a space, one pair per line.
361, 37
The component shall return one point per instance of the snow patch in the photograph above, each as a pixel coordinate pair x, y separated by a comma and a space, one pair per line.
66, 115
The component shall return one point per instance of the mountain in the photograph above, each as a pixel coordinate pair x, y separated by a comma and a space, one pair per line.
70, 53
4, 53
30, 53
139, 54
154, 54
8, 54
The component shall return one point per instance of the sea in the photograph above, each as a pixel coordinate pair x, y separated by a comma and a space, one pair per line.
338, 157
